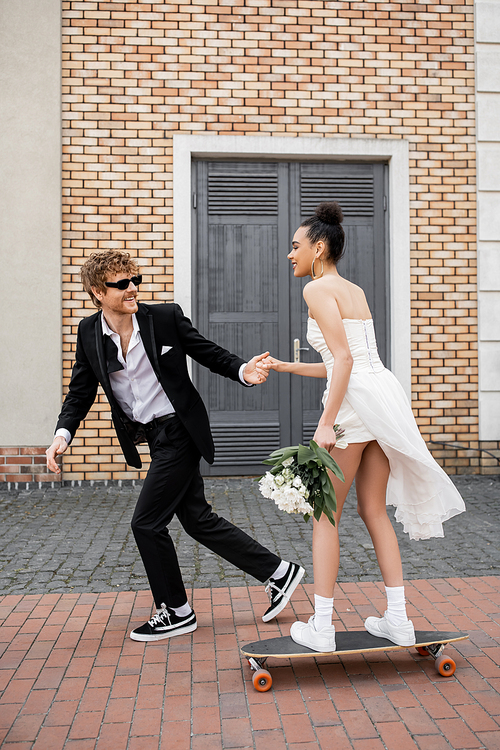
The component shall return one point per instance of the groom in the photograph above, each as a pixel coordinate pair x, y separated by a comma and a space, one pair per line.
137, 353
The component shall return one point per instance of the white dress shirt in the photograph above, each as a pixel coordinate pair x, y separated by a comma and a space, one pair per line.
136, 387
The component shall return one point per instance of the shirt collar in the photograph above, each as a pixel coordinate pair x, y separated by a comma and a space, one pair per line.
108, 332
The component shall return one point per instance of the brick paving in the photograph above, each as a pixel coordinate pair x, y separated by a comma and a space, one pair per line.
71, 678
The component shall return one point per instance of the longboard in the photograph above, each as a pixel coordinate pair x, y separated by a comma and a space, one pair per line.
428, 643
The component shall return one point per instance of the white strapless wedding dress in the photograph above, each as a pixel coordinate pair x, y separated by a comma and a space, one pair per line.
375, 407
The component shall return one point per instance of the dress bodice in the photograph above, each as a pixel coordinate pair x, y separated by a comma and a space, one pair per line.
362, 344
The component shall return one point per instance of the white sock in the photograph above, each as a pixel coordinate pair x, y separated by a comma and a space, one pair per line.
396, 604
183, 611
280, 570
323, 612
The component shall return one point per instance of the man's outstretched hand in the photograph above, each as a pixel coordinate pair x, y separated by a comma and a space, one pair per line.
254, 372
56, 449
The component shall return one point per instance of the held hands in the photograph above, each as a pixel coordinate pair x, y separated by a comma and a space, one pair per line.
271, 363
255, 373
56, 449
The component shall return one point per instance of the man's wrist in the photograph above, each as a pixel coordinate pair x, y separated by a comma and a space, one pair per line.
242, 376
66, 434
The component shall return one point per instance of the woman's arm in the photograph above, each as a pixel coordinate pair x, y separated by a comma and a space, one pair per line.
308, 369
325, 310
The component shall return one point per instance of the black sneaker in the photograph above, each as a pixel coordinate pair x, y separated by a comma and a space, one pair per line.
281, 589
165, 624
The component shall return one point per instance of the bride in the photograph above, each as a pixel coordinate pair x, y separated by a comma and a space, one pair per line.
386, 454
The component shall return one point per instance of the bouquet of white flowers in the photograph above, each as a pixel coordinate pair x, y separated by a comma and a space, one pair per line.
299, 481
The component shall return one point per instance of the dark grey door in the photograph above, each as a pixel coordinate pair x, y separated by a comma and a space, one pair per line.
247, 300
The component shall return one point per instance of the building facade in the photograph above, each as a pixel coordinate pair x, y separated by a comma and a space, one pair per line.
196, 137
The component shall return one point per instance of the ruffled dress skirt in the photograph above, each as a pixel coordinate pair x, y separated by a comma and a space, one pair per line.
375, 407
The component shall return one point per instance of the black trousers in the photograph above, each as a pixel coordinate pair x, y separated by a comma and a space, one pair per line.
174, 485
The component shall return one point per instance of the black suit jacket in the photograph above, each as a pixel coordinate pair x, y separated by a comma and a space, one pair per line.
160, 326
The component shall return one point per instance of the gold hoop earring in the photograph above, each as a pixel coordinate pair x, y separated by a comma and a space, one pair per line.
312, 269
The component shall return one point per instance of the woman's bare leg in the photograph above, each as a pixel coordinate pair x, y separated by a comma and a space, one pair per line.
326, 550
371, 486
319, 633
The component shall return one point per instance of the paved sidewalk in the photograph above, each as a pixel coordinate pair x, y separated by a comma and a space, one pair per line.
72, 678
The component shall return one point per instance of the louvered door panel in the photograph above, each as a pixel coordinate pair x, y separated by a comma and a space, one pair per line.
353, 191
255, 195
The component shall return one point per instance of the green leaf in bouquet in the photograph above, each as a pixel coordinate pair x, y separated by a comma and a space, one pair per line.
326, 482
269, 461
329, 515
331, 501
324, 510
290, 452
304, 454
276, 455
330, 496
282, 454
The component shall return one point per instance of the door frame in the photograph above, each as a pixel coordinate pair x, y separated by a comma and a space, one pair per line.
393, 151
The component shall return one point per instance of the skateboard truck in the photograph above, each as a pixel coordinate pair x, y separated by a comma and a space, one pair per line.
445, 665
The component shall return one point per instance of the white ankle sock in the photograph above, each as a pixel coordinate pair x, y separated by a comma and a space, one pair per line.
396, 604
280, 570
183, 611
323, 611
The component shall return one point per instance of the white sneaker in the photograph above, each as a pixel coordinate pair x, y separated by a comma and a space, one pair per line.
401, 635
318, 640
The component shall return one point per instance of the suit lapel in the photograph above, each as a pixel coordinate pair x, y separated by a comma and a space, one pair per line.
145, 320
101, 358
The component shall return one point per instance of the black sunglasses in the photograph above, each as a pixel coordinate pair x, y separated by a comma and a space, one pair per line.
124, 283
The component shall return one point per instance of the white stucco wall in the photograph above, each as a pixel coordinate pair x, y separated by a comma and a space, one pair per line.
30, 220
487, 48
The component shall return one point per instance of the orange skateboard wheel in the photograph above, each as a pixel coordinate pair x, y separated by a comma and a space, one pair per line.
445, 666
262, 680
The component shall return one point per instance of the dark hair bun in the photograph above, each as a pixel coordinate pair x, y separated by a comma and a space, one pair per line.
330, 213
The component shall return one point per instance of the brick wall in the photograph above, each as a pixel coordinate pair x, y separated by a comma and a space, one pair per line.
135, 73
24, 465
